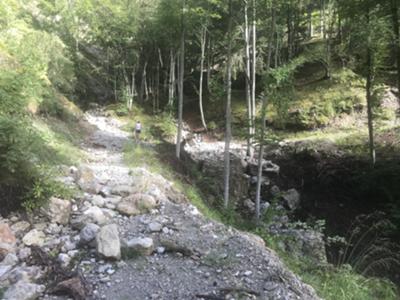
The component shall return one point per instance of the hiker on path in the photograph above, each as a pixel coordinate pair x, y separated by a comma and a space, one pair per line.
138, 129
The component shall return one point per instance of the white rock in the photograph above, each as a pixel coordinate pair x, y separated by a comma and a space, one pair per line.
98, 201
107, 241
58, 210
20, 227
144, 246
160, 250
23, 291
64, 259
96, 215
34, 238
155, 227
10, 260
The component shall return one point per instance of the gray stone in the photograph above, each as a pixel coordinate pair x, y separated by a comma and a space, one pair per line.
95, 215
23, 291
291, 199
58, 210
122, 190
155, 227
24, 253
136, 204
107, 242
10, 260
20, 227
88, 233
143, 246
64, 259
34, 238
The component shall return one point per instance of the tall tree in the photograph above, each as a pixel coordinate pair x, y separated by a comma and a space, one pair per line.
228, 130
396, 42
181, 75
263, 118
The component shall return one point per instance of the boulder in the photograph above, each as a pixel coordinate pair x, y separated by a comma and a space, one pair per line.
7, 240
107, 242
20, 227
291, 199
94, 214
23, 291
155, 227
58, 211
34, 238
122, 190
136, 204
88, 233
141, 246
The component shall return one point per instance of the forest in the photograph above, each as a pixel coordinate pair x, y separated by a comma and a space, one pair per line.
278, 118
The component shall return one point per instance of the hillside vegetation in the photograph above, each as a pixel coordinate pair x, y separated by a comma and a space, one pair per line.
310, 85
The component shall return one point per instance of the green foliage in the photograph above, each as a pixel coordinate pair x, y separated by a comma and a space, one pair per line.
19, 163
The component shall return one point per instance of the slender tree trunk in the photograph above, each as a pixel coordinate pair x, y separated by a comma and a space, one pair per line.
248, 80
181, 75
369, 86
277, 50
171, 91
157, 88
228, 130
309, 21
323, 19
263, 120
209, 65
253, 67
203, 50
290, 31
396, 31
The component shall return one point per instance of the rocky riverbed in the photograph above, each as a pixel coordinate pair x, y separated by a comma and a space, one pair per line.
131, 235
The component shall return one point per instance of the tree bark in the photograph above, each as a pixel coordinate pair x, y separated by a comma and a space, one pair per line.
203, 50
171, 90
253, 67
369, 86
396, 31
248, 81
181, 75
228, 131
263, 120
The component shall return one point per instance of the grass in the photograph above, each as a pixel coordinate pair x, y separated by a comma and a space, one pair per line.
331, 283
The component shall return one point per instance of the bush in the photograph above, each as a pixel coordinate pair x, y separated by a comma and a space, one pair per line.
21, 177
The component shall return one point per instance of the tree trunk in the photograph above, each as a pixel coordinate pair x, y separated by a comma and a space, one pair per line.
181, 75
253, 68
228, 132
395, 21
263, 120
171, 90
369, 86
203, 50
309, 21
323, 20
209, 65
248, 81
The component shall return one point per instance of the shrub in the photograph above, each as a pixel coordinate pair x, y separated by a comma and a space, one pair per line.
21, 151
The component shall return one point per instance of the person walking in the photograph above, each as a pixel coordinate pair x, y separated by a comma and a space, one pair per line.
138, 130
